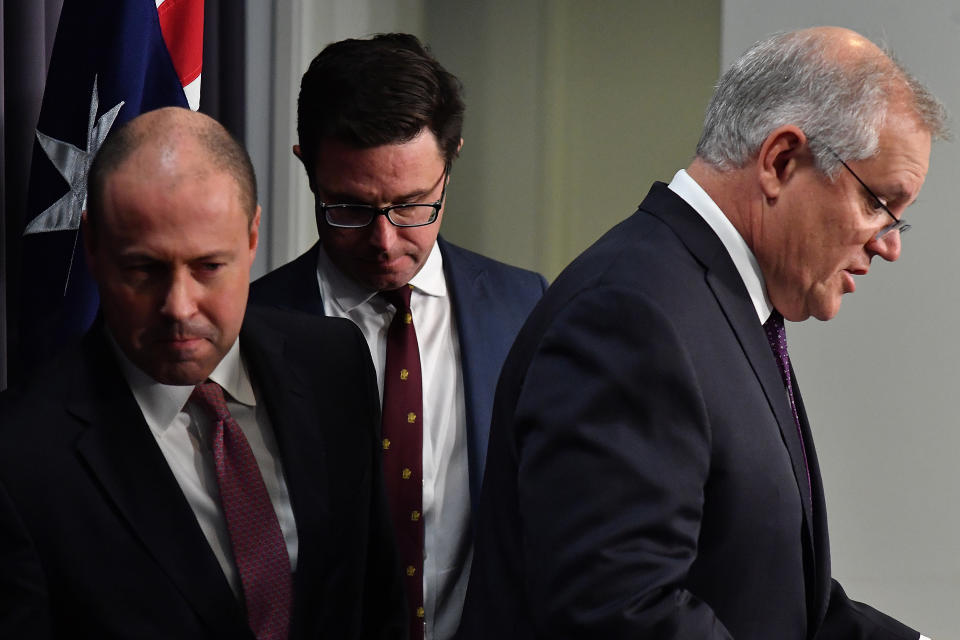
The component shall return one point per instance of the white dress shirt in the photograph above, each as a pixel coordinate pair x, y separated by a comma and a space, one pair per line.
694, 195
446, 489
748, 268
184, 433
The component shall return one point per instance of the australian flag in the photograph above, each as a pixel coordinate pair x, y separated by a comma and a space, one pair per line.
112, 60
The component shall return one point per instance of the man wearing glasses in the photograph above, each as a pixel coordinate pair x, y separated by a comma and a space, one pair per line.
379, 125
651, 472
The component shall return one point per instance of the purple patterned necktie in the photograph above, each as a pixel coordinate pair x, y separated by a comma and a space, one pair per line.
777, 337
402, 433
259, 549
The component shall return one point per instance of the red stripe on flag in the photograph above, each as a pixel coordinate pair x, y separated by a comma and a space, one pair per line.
181, 22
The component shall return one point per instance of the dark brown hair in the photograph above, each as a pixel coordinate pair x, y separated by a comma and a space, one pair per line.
382, 90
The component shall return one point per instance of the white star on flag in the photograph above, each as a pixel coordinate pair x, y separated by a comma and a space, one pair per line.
73, 164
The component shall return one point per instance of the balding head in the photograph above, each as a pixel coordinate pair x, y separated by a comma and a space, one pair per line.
170, 237
832, 83
173, 142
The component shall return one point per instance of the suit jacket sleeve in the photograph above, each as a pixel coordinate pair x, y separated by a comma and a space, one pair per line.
385, 615
24, 606
847, 619
614, 445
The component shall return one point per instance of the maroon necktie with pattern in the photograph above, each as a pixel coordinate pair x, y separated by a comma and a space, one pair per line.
403, 448
777, 337
259, 549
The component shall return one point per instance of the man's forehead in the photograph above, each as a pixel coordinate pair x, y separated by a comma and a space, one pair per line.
424, 143
410, 167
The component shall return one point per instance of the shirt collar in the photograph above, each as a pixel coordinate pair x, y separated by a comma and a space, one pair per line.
744, 260
160, 403
349, 294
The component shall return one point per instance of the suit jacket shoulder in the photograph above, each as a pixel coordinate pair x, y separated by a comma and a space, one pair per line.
521, 282
77, 456
292, 286
641, 438
490, 301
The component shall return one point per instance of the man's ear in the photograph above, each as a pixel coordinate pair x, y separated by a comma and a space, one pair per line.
254, 234
777, 159
297, 152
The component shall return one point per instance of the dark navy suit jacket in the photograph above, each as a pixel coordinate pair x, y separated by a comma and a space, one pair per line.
98, 541
490, 302
645, 477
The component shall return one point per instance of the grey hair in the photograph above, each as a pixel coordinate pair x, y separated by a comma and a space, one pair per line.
788, 79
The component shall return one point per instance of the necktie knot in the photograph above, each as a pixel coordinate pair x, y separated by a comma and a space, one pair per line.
777, 337
399, 298
209, 395
776, 331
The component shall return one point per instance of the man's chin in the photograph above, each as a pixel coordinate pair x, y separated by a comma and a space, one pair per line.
181, 374
180, 371
829, 309
384, 280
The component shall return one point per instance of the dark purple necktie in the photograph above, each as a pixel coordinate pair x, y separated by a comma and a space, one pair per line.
259, 549
403, 449
777, 337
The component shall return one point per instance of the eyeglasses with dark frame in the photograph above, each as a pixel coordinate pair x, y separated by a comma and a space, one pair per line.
413, 214
898, 224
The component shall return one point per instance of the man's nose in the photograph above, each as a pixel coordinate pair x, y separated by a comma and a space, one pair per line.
180, 300
887, 247
382, 233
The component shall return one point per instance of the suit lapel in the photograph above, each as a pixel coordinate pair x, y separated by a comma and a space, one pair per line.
727, 286
301, 290
302, 451
123, 456
469, 293
306, 277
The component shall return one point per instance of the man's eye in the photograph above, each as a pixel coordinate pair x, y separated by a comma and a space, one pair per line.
142, 269
211, 266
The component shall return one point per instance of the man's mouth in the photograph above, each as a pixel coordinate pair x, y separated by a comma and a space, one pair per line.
849, 285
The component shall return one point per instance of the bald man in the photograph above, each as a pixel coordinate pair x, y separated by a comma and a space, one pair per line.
651, 472
194, 469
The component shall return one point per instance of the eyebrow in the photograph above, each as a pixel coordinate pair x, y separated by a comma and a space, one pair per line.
140, 256
404, 198
897, 193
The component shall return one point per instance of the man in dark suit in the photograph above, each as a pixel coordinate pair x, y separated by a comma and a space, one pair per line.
379, 125
194, 468
651, 471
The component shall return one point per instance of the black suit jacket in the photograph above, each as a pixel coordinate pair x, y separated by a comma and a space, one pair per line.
490, 302
101, 543
645, 476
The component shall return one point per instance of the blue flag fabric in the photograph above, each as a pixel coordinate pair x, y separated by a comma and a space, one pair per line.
109, 64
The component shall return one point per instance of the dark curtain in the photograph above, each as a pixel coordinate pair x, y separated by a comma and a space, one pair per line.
27, 28
223, 87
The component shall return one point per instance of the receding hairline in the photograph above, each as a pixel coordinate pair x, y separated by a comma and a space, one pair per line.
174, 129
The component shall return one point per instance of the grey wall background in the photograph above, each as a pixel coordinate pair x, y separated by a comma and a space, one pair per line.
573, 108
880, 380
